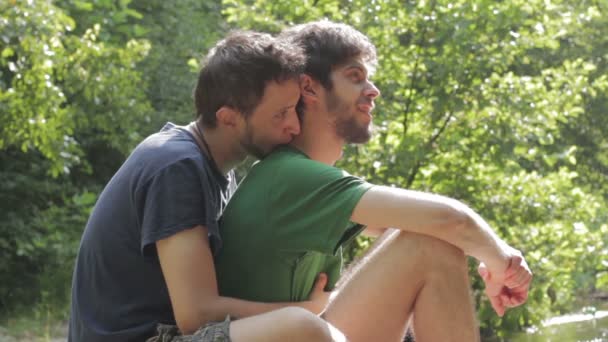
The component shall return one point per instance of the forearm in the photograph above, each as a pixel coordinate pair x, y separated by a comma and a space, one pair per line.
471, 233
438, 216
220, 307
187, 265
477, 239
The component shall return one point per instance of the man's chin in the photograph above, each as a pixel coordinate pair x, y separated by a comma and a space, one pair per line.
257, 152
362, 139
359, 136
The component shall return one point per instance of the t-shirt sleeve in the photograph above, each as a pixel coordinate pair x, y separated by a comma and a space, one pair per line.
313, 203
171, 201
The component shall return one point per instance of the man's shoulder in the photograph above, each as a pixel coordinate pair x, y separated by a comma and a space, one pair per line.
289, 170
169, 146
170, 140
289, 161
162, 153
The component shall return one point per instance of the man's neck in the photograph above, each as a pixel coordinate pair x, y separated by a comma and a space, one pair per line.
223, 150
319, 139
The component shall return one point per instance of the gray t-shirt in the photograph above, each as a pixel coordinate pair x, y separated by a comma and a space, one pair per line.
165, 186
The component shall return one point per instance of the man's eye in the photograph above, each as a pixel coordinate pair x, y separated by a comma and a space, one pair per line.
357, 77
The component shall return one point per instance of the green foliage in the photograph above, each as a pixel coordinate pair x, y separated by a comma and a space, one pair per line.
40, 226
181, 33
50, 77
81, 82
69, 102
499, 104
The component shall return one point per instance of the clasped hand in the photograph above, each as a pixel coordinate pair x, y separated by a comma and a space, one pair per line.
509, 288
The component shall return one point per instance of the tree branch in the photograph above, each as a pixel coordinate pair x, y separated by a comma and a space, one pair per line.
414, 79
428, 146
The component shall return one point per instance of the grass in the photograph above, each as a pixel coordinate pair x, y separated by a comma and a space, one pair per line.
40, 323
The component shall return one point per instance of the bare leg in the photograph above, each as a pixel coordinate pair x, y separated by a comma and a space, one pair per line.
406, 274
285, 325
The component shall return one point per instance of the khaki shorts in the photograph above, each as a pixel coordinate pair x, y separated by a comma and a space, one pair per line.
211, 332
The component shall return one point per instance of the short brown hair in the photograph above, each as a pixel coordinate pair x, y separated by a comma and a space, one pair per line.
328, 45
237, 69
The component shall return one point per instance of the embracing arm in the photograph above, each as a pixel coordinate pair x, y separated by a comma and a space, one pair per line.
187, 265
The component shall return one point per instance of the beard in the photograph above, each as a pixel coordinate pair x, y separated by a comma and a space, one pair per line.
347, 126
249, 145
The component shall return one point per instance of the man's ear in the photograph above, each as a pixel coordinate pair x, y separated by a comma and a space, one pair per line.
227, 116
309, 88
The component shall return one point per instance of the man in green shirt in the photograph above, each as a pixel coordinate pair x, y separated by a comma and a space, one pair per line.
286, 224
292, 213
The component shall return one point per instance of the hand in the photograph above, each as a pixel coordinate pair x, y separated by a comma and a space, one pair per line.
319, 297
509, 288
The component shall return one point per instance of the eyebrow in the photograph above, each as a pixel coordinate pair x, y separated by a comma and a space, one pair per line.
362, 67
355, 65
287, 107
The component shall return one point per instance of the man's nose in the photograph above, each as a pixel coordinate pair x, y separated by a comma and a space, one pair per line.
293, 124
371, 91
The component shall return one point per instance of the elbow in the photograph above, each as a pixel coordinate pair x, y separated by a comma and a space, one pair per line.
189, 325
188, 322
186, 329
457, 216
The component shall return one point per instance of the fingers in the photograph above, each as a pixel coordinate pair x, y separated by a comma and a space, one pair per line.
519, 295
321, 282
514, 297
497, 305
520, 280
509, 289
522, 277
517, 301
318, 297
511, 301
483, 272
518, 273
505, 299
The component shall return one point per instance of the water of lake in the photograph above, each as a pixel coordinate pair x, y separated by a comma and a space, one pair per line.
590, 327
594, 330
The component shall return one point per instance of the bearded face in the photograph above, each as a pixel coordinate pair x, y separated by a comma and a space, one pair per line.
352, 125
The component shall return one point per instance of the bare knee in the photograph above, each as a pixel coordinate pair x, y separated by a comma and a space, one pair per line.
436, 254
304, 325
443, 250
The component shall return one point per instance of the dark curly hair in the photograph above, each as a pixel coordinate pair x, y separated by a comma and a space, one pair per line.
237, 69
328, 45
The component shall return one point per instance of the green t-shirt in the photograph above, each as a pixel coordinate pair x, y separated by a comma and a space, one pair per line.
285, 224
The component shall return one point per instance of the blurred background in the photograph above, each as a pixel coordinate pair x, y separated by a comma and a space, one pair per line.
501, 104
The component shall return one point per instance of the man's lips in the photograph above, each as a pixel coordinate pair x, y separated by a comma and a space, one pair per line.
365, 107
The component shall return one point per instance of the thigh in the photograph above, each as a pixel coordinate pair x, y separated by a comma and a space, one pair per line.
290, 324
376, 297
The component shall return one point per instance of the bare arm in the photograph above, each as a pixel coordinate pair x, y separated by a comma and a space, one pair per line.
503, 268
187, 265
438, 216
